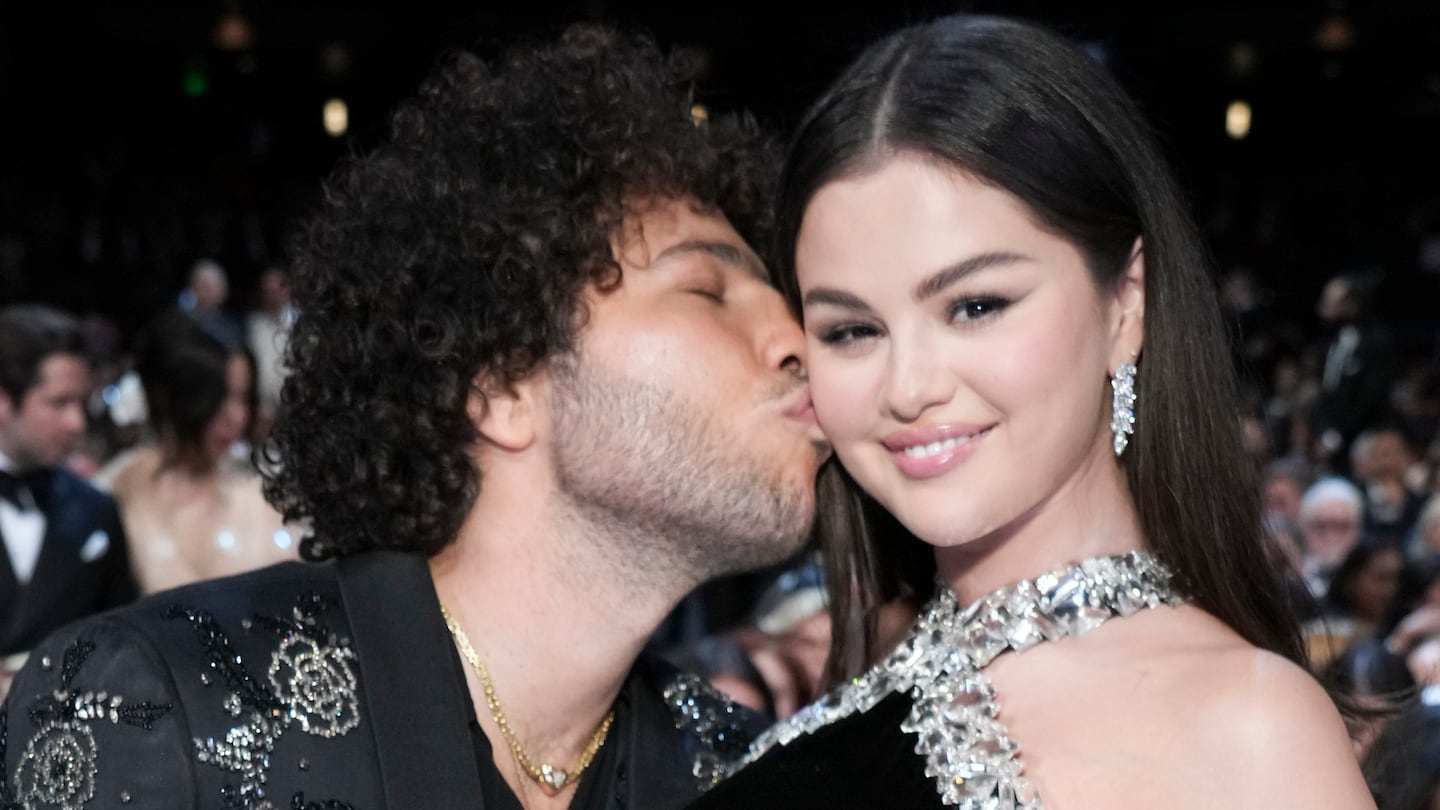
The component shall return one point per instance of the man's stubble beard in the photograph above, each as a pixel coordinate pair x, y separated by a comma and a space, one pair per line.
670, 492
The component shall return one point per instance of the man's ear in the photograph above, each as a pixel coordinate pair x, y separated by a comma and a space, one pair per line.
1127, 326
504, 413
7, 407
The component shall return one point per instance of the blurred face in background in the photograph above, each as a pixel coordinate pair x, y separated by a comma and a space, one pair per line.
274, 291
1282, 496
228, 424
1336, 304
1390, 457
1330, 529
1428, 527
48, 423
1373, 588
210, 286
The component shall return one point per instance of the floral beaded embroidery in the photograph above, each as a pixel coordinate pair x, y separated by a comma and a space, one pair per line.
58, 767
711, 719
954, 713
310, 683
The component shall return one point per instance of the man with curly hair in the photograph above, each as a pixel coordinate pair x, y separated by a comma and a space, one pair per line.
540, 388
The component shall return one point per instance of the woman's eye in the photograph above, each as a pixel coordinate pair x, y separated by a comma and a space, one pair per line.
714, 295
972, 309
847, 334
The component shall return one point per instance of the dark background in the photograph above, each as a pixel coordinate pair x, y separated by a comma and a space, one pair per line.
132, 141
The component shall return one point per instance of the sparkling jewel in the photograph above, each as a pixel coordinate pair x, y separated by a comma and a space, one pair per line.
709, 718
551, 779
554, 777
1122, 418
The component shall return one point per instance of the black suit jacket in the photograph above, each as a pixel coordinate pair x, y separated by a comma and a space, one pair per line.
320, 687
66, 585
1361, 395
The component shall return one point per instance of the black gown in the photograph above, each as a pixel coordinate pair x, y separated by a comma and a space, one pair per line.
861, 762
922, 729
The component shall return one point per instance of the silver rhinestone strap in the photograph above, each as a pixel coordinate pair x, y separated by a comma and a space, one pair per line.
955, 715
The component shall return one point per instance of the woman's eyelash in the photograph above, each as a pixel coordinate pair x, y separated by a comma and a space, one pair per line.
847, 333
973, 308
968, 310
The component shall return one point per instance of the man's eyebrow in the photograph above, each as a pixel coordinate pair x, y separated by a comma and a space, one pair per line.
722, 251
944, 278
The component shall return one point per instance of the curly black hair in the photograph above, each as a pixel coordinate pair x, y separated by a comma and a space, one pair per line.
463, 244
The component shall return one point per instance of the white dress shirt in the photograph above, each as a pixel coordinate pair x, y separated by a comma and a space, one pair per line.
23, 530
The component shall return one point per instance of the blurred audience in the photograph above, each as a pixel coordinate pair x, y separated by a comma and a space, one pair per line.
189, 498
1378, 681
775, 660
1331, 517
1402, 766
204, 297
1381, 459
1358, 367
267, 331
65, 551
1365, 585
1426, 537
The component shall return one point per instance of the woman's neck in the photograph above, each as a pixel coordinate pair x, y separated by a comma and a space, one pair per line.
1091, 515
186, 462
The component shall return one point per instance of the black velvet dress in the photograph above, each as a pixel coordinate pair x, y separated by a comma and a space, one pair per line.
861, 761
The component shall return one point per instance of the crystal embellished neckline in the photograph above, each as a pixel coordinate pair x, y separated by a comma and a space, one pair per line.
954, 712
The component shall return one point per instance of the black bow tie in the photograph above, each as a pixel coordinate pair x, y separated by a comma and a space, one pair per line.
25, 491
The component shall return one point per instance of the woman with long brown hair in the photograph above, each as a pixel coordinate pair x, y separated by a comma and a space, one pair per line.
1015, 347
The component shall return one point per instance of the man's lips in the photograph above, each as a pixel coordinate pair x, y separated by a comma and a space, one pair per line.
799, 405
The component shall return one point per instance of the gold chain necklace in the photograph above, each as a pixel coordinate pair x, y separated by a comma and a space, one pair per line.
552, 780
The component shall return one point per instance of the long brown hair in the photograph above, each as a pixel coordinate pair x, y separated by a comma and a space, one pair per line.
1031, 113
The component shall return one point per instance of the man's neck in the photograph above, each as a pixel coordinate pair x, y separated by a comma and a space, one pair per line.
557, 626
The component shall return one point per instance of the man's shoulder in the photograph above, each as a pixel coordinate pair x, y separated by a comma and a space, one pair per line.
201, 685
187, 632
288, 592
266, 590
73, 489
92, 702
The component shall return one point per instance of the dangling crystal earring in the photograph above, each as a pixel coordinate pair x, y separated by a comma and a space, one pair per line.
1122, 417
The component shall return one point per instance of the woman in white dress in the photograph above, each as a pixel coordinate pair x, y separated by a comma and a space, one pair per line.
189, 498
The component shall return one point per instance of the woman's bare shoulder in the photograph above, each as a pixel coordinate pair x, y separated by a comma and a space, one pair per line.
1172, 708
1268, 733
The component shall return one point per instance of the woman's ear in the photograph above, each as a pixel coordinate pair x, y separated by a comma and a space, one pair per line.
1127, 308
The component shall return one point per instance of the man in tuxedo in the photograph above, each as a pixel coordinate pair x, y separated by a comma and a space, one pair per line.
1357, 372
540, 388
65, 554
